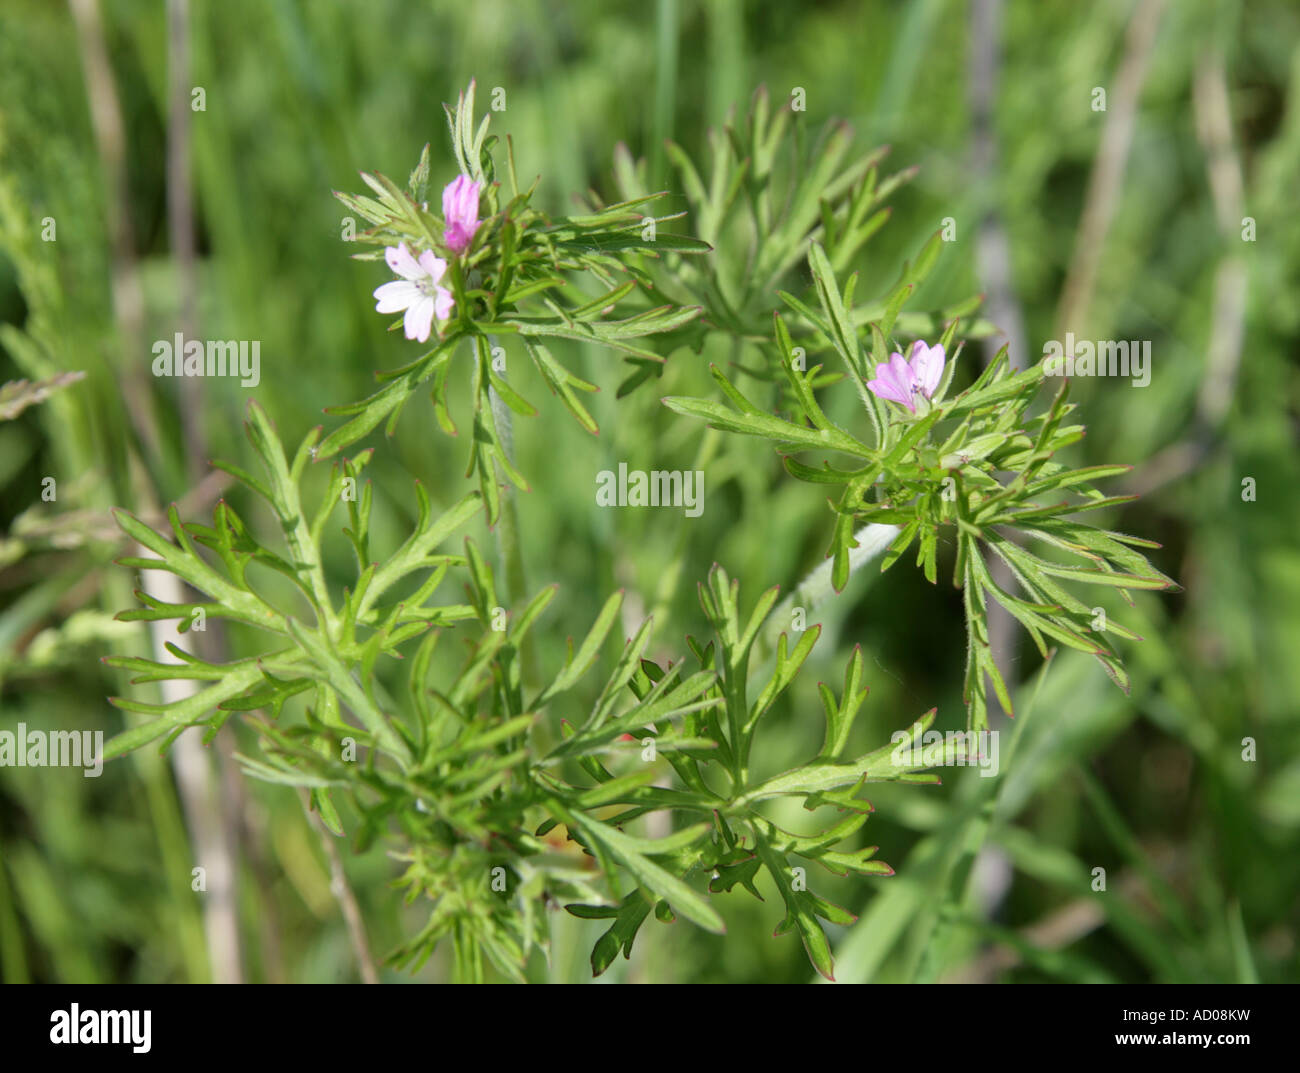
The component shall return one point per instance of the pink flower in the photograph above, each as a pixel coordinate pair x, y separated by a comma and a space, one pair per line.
417, 291
901, 380
460, 211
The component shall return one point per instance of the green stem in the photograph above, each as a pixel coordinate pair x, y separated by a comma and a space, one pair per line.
815, 589
509, 550
737, 713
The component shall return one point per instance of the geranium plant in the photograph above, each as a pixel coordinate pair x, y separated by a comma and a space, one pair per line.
477, 780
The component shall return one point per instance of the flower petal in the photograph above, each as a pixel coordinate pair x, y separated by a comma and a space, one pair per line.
458, 238
927, 366
450, 193
419, 319
900, 371
400, 261
460, 201
887, 389
460, 212
444, 303
395, 296
893, 381
433, 265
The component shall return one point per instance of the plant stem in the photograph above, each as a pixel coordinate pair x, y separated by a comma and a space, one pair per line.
507, 530
816, 588
342, 892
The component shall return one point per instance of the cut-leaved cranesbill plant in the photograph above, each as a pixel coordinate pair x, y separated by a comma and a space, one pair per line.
453, 774
493, 266
505, 788
977, 466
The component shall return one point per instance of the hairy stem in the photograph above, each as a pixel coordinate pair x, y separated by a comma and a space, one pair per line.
816, 588
344, 895
508, 547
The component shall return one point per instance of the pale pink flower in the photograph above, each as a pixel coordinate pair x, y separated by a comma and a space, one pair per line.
901, 379
418, 291
460, 211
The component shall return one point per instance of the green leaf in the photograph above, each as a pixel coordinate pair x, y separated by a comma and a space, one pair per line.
577, 665
623, 848
799, 910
